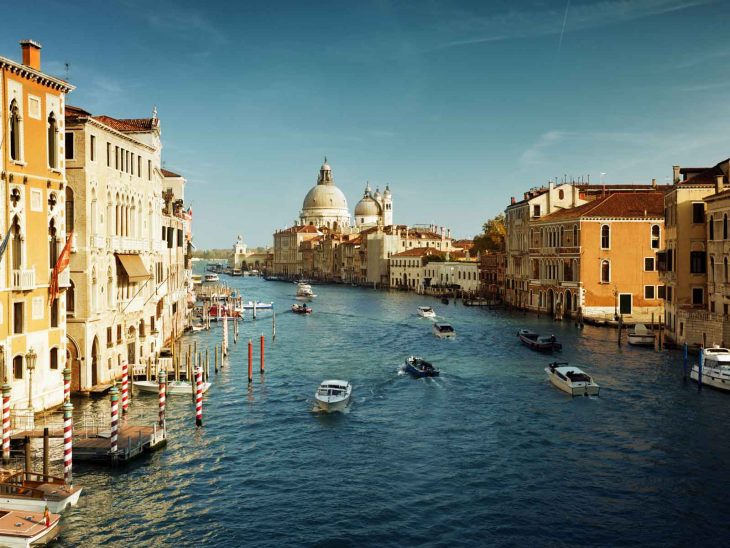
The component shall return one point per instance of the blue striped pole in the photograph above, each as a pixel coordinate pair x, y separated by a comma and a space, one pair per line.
699, 372
684, 364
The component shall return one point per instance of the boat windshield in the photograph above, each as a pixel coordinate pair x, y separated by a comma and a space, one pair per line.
445, 328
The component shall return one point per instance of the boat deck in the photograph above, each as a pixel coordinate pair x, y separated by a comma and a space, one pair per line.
22, 524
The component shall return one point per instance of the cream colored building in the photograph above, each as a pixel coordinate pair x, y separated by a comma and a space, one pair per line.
407, 268
464, 274
116, 305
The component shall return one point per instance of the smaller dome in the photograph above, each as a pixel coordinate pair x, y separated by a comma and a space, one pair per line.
377, 195
367, 207
386, 192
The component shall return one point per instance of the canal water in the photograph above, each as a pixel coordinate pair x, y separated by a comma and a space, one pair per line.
487, 454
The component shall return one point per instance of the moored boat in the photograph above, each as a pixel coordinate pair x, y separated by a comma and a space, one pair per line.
715, 368
544, 343
22, 528
212, 277
443, 330
258, 305
571, 379
333, 395
33, 492
173, 387
639, 335
418, 367
426, 312
301, 309
218, 310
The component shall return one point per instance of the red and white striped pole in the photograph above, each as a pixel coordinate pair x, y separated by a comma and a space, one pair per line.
125, 388
68, 436
162, 377
6, 423
114, 392
66, 384
199, 397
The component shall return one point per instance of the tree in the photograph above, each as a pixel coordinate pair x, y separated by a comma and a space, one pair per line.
493, 236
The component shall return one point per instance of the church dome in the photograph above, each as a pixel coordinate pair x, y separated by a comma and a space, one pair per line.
325, 204
325, 196
367, 207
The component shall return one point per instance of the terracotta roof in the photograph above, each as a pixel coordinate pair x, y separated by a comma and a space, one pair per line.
463, 244
168, 173
72, 112
129, 124
622, 205
419, 252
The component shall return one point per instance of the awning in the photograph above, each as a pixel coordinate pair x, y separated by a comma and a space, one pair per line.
133, 266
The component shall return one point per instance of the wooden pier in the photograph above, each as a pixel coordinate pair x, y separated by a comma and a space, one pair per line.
133, 442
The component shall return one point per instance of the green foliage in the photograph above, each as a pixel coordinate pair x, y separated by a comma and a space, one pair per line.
493, 236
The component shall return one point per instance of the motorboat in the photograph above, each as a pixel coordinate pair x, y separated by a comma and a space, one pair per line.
212, 277
544, 343
22, 528
304, 291
258, 305
426, 312
173, 387
444, 330
571, 379
418, 367
639, 335
301, 309
333, 395
32, 492
715, 368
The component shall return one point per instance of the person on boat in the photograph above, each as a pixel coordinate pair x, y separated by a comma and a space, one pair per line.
47, 516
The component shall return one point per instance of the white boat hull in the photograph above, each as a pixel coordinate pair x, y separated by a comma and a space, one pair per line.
641, 340
711, 377
38, 505
573, 388
173, 387
24, 529
335, 405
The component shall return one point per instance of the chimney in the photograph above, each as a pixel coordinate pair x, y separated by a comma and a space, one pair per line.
512, 200
31, 54
719, 183
676, 174
653, 183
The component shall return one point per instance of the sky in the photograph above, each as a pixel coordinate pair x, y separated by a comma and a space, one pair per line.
456, 105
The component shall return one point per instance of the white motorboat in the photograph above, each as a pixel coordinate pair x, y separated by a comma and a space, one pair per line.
444, 330
715, 368
571, 379
639, 335
258, 305
304, 291
426, 312
333, 395
22, 528
212, 277
33, 492
173, 387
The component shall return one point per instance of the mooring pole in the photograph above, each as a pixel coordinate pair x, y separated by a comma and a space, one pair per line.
68, 436
262, 353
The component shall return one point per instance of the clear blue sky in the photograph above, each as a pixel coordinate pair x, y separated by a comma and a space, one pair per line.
456, 105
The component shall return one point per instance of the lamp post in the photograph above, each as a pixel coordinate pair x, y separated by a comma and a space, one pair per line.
30, 358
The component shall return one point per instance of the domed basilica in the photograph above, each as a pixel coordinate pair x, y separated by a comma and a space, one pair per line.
326, 206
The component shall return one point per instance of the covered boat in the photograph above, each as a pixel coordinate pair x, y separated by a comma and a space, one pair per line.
426, 312
21, 528
33, 492
333, 395
715, 368
571, 379
537, 342
418, 367
301, 308
443, 330
173, 387
639, 335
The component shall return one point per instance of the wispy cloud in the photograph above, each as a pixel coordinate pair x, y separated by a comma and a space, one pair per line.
186, 22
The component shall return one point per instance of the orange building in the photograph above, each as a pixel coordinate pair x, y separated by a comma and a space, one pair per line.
600, 257
33, 181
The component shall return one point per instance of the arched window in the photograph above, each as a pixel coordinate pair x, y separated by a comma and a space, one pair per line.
14, 131
18, 367
16, 244
724, 227
54, 358
71, 299
70, 209
605, 237
605, 272
52, 244
656, 236
52, 141
712, 227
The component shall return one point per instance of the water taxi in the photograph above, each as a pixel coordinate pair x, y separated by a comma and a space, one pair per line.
540, 343
33, 492
333, 395
571, 379
639, 335
304, 291
443, 330
212, 277
173, 388
301, 309
21, 528
426, 312
418, 367
715, 368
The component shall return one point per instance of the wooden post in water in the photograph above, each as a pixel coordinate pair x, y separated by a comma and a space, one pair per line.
215, 356
620, 327
262, 353
684, 363
250, 361
235, 330
273, 325
28, 464
46, 451
701, 362
207, 364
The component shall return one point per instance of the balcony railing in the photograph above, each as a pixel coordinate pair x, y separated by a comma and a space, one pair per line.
23, 279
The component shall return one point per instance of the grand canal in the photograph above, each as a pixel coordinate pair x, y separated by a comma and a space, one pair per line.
488, 454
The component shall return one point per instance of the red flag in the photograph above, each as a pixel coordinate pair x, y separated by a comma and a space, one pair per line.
63, 259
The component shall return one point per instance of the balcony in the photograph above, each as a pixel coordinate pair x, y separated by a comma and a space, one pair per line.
131, 245
23, 279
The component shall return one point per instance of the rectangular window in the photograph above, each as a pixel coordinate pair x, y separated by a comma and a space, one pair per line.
139, 166
698, 212
179, 237
92, 148
109, 339
164, 233
712, 306
649, 264
697, 262
536, 210
54, 314
69, 144
119, 333
131, 166
149, 170
108, 155
698, 296
126, 161
170, 237
17, 318
661, 292
649, 292
116, 157
54, 358
669, 294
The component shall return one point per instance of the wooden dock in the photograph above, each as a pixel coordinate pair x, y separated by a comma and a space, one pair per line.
133, 441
